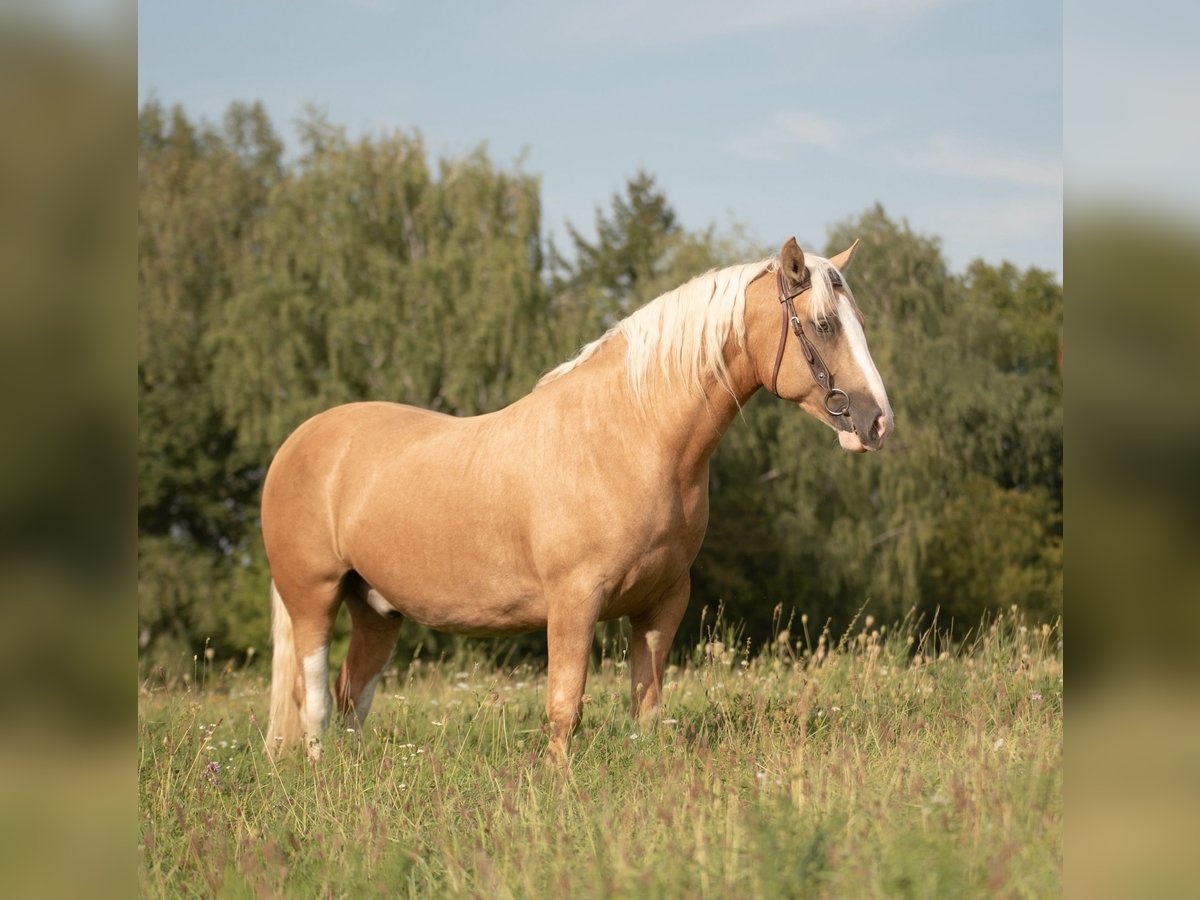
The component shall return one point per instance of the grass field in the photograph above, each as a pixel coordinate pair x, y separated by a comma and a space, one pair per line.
875, 765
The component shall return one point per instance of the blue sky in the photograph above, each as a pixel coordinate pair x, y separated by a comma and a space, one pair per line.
780, 117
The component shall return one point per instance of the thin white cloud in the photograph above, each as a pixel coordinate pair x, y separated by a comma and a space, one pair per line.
788, 130
379, 7
954, 155
673, 22
666, 23
978, 221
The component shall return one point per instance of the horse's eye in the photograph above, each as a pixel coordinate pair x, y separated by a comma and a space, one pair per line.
824, 326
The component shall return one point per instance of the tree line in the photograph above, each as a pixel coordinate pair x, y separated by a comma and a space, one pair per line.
272, 288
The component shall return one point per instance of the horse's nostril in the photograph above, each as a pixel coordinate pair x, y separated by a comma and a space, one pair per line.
878, 428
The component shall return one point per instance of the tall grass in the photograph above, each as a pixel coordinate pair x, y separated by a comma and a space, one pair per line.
875, 764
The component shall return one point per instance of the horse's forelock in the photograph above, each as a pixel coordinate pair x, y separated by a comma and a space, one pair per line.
823, 300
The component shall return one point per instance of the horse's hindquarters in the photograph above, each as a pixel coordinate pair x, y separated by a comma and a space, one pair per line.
423, 507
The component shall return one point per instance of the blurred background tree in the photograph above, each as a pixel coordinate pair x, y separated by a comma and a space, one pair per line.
269, 291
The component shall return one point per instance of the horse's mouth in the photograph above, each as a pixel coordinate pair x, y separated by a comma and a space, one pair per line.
848, 434
852, 439
852, 442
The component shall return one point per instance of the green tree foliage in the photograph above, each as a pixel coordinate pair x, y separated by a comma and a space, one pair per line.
362, 270
372, 278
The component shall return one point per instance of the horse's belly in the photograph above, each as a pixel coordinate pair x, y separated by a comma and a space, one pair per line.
472, 608
476, 617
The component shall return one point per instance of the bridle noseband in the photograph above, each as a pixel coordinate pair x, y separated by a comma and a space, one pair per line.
836, 401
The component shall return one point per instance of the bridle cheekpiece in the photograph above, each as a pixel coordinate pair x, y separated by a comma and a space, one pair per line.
836, 401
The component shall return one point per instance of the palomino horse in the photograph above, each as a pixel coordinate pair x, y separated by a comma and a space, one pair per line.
584, 501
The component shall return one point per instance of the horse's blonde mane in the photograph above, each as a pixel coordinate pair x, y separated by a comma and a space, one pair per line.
682, 334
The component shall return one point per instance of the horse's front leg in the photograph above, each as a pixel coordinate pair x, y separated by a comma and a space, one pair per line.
653, 632
570, 630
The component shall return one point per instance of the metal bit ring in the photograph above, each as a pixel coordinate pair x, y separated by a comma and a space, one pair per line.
842, 407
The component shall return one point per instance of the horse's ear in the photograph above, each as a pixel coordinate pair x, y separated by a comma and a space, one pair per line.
843, 259
791, 261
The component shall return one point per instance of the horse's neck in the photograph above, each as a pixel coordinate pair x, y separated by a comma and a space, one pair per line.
685, 424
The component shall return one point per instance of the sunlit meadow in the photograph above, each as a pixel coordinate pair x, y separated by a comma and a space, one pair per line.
881, 763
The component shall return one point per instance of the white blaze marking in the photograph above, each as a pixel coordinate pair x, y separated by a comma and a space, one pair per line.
858, 349
316, 691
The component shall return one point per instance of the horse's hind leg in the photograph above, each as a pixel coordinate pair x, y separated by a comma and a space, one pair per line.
372, 640
312, 608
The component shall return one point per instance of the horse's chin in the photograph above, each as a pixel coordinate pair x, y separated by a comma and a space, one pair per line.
851, 441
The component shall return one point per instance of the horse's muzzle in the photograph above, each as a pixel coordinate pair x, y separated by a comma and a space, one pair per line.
870, 423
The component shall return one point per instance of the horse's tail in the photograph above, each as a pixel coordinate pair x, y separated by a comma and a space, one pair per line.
284, 726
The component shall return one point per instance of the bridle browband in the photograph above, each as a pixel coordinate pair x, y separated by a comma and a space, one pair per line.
820, 372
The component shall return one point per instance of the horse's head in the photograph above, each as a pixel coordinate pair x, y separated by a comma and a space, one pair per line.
816, 354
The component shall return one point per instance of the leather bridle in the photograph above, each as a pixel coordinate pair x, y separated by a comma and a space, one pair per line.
836, 401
